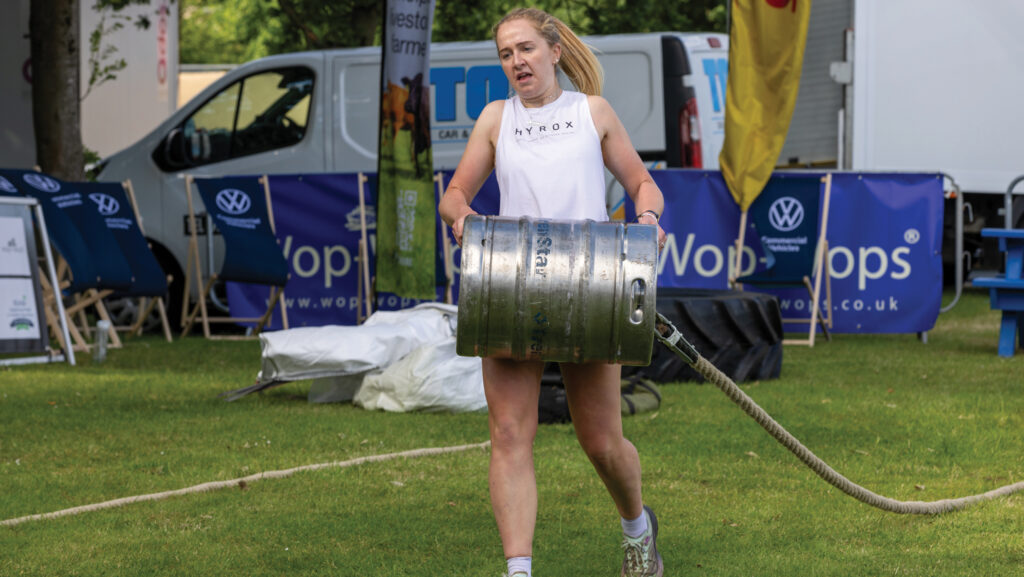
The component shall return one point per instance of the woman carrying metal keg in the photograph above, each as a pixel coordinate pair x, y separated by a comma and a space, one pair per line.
549, 148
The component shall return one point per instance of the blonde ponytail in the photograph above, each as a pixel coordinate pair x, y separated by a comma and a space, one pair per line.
577, 61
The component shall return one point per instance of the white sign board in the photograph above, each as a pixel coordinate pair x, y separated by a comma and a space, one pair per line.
18, 318
21, 312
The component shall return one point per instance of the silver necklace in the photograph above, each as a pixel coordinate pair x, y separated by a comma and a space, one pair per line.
531, 121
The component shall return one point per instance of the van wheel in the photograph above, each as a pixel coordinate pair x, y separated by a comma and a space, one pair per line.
738, 332
124, 311
175, 289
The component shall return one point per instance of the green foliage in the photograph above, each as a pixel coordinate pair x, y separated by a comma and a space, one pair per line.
616, 17
468, 20
90, 160
101, 67
314, 24
232, 32
456, 20
117, 5
121, 4
225, 31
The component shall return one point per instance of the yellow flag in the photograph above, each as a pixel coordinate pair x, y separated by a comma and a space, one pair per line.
766, 53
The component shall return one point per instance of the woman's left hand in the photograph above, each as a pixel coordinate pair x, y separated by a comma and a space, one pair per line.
648, 218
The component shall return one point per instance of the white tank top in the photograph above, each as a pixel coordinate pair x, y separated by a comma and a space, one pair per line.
548, 160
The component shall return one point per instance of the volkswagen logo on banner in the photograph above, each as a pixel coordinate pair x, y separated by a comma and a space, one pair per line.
7, 186
233, 201
42, 182
786, 213
106, 204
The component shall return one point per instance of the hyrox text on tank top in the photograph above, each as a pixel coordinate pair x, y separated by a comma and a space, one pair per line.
548, 160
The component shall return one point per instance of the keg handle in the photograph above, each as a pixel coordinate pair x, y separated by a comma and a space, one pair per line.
639, 291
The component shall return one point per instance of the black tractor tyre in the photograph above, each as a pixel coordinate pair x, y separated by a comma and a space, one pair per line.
737, 331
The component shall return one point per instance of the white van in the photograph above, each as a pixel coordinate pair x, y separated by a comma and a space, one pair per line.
318, 111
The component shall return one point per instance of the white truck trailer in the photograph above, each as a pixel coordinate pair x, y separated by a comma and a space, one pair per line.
918, 85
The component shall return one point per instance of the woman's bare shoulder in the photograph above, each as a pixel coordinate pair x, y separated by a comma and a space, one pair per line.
599, 106
492, 112
489, 120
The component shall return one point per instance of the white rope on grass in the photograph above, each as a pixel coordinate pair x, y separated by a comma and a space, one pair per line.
243, 481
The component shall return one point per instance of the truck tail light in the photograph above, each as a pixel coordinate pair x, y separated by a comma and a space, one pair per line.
689, 136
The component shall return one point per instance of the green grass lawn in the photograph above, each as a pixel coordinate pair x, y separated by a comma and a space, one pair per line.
907, 420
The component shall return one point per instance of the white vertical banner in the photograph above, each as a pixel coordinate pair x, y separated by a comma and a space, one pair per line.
406, 208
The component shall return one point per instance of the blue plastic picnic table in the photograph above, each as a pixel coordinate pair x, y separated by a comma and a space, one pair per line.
1006, 291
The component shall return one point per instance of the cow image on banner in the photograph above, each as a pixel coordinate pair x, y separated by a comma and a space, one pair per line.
406, 207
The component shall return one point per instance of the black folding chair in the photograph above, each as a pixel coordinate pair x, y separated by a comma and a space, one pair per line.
114, 204
240, 208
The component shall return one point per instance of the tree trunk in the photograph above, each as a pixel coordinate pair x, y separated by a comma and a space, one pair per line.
56, 112
365, 22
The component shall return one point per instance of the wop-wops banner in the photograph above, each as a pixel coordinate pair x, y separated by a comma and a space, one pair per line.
318, 226
884, 231
885, 246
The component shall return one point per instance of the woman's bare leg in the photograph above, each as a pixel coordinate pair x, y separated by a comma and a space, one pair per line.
593, 391
512, 389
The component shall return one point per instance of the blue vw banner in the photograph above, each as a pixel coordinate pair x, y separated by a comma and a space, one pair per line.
885, 246
701, 220
786, 216
886, 252
885, 235
317, 219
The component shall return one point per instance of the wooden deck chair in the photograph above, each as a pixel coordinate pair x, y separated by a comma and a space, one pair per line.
240, 209
92, 265
791, 215
114, 204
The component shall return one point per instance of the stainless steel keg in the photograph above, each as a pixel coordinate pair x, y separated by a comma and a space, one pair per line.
557, 290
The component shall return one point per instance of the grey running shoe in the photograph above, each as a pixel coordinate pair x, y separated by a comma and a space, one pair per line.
642, 557
516, 574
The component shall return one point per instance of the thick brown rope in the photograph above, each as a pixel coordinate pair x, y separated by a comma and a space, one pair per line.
823, 470
242, 482
667, 333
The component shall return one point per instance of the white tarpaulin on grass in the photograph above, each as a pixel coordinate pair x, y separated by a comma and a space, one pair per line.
407, 357
431, 378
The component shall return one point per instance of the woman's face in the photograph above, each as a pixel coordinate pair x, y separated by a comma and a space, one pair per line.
527, 59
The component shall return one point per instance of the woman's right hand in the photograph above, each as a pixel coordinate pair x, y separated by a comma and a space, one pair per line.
457, 227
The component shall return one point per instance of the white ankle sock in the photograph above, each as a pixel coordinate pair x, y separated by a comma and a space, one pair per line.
520, 565
634, 527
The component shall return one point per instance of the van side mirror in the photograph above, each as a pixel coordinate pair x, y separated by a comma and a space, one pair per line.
174, 152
